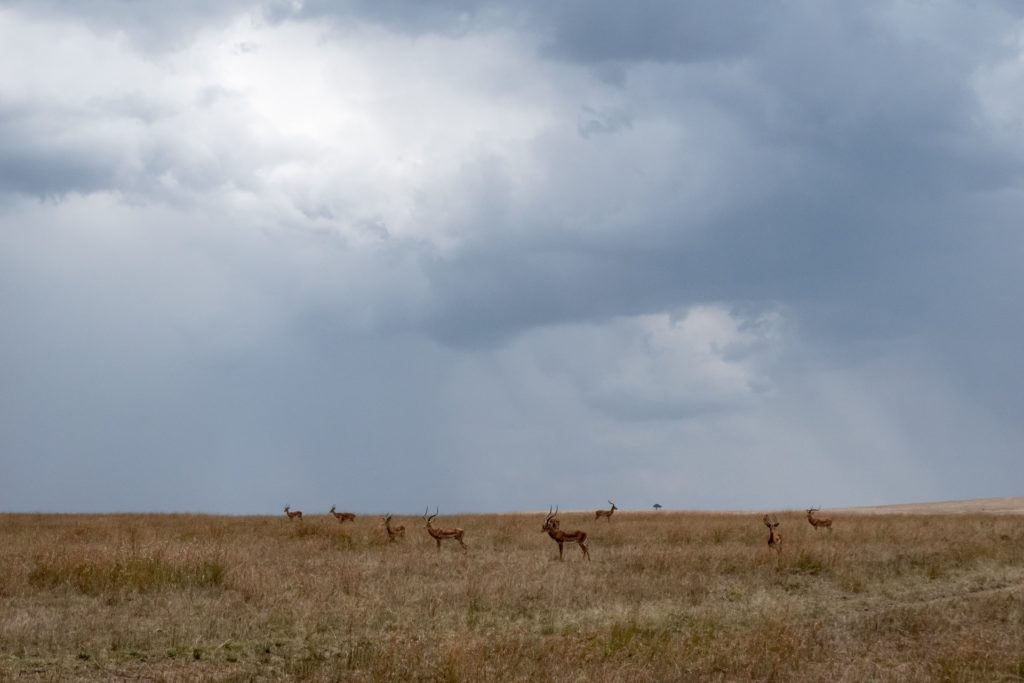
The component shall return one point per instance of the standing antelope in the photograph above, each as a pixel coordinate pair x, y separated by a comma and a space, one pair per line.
394, 531
343, 516
598, 514
774, 537
441, 534
292, 514
818, 521
551, 525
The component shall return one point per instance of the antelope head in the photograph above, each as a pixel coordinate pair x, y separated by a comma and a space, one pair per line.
551, 521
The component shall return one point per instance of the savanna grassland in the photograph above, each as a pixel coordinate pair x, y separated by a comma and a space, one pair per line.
667, 596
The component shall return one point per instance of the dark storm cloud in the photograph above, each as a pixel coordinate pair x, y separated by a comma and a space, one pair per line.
35, 160
652, 30
581, 31
881, 126
889, 149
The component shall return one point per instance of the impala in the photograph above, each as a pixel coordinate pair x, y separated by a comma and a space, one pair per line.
393, 531
292, 514
551, 525
818, 521
343, 516
441, 534
598, 514
774, 537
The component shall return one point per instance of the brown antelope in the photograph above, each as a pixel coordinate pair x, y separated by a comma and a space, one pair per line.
393, 531
292, 514
551, 525
598, 514
343, 516
774, 537
818, 521
441, 534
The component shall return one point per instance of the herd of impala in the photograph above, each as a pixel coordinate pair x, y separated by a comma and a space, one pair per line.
552, 525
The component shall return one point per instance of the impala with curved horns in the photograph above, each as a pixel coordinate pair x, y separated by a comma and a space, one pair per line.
598, 514
440, 534
551, 525
818, 521
292, 514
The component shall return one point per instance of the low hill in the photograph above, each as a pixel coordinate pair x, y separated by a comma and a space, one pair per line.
1013, 505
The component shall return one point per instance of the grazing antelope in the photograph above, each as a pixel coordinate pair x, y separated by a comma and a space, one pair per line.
393, 531
551, 525
343, 516
774, 537
441, 534
598, 514
818, 521
292, 514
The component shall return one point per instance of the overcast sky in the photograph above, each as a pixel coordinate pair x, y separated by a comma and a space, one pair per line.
497, 256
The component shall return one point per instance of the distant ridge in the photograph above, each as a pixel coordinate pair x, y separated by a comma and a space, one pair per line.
1013, 505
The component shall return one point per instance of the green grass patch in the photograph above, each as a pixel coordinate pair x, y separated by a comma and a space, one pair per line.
129, 572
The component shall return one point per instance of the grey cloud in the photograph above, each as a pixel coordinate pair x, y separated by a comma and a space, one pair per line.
653, 30
141, 148
38, 157
586, 32
602, 121
151, 26
450, 18
50, 173
131, 106
870, 134
878, 173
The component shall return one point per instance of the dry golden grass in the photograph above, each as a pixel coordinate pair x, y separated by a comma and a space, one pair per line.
668, 596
